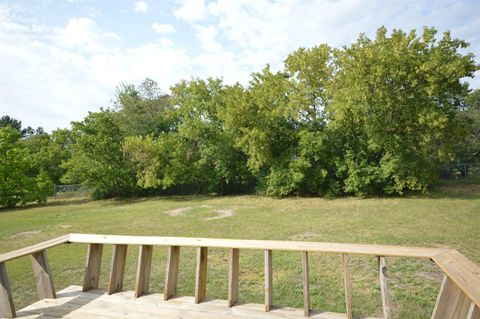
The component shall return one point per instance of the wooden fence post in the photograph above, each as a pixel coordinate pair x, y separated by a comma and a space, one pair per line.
117, 270
347, 285
201, 274
92, 267
171, 276
143, 270
306, 286
387, 308
233, 272
268, 280
451, 302
7, 309
43, 275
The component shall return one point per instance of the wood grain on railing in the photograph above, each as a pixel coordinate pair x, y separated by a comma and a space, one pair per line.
43, 275
117, 269
7, 309
360, 249
144, 268
34, 248
464, 273
92, 267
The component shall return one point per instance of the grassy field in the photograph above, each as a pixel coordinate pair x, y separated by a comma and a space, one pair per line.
448, 217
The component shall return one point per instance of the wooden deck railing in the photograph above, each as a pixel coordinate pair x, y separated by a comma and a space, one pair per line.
459, 296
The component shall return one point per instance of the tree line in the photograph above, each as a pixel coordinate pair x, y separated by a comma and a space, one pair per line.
374, 117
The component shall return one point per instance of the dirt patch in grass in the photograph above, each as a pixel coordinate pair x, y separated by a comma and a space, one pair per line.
25, 234
221, 212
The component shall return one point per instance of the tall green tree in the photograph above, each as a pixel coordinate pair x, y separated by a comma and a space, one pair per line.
97, 159
144, 109
393, 108
16, 186
49, 152
468, 148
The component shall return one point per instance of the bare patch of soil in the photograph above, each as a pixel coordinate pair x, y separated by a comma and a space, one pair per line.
25, 234
222, 213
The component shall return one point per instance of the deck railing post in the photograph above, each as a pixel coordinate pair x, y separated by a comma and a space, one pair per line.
347, 286
451, 302
382, 266
43, 275
143, 270
268, 280
201, 274
7, 309
171, 276
306, 288
233, 272
92, 267
117, 270
474, 312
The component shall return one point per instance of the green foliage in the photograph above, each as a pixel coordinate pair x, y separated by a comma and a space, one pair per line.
16, 186
394, 104
97, 158
143, 110
49, 152
375, 117
468, 149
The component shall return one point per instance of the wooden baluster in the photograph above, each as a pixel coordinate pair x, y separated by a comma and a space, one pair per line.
474, 312
92, 267
382, 266
233, 272
347, 285
7, 309
268, 280
143, 270
201, 274
171, 276
306, 289
451, 302
43, 275
117, 269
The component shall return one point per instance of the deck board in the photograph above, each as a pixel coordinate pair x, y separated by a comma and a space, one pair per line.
75, 304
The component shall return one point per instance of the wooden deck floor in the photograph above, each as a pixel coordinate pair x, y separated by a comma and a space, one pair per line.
73, 303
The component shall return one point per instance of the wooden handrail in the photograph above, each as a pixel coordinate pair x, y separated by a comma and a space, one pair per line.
34, 248
464, 273
360, 249
459, 296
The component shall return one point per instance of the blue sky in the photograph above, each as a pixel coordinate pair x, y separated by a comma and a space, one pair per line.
63, 58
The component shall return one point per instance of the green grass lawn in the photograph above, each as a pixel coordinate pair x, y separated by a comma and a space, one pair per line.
448, 217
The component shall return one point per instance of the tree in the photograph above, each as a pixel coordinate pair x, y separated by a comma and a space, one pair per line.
199, 151
143, 110
49, 152
393, 108
16, 186
13, 123
467, 150
97, 158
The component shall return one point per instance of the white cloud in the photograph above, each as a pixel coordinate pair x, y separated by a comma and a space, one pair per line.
51, 76
163, 28
192, 11
166, 42
207, 37
141, 6
263, 31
